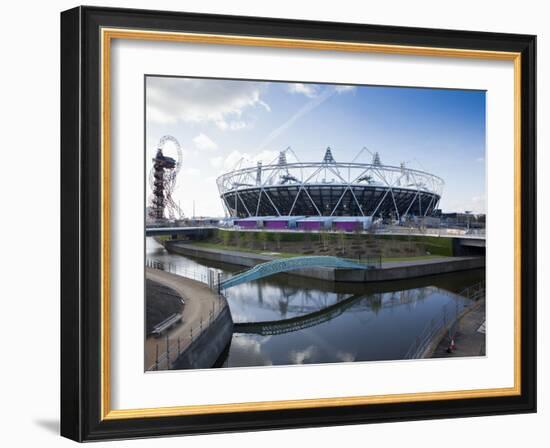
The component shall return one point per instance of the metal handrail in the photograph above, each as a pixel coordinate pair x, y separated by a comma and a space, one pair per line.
178, 270
163, 360
468, 297
282, 265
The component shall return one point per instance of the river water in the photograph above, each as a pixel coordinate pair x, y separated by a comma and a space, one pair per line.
322, 322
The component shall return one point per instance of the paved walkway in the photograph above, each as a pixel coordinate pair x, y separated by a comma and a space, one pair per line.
200, 301
469, 335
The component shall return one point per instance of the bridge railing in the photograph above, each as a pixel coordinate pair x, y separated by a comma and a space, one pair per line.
431, 231
447, 318
169, 349
172, 268
282, 265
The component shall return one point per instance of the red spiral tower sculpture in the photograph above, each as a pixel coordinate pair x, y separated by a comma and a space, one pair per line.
162, 180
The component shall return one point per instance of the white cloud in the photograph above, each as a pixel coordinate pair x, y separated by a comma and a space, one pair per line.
217, 161
315, 102
252, 348
309, 90
345, 356
479, 199
234, 157
345, 89
233, 125
191, 172
480, 159
264, 105
304, 110
313, 90
172, 100
298, 357
202, 141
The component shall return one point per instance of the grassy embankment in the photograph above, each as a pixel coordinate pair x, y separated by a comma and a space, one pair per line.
160, 303
355, 245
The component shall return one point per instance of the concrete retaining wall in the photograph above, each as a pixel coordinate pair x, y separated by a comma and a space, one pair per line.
238, 258
409, 271
332, 274
203, 352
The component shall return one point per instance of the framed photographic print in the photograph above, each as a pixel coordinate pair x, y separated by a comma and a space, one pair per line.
274, 223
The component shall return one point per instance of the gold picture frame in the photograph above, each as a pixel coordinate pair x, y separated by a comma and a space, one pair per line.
106, 31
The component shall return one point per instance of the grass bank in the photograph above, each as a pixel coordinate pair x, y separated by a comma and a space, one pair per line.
354, 245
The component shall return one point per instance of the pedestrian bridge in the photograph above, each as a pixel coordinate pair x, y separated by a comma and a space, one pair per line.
293, 263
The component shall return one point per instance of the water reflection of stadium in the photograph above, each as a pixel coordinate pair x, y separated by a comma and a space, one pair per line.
280, 302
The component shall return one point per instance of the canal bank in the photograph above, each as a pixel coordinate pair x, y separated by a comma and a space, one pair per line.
202, 335
396, 270
468, 335
207, 347
293, 322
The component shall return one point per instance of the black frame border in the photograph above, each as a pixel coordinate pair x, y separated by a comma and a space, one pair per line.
81, 223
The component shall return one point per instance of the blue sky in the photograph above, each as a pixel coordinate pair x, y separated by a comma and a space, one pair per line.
219, 122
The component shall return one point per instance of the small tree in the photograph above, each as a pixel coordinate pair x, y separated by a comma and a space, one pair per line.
277, 237
263, 239
227, 236
323, 239
333, 239
357, 235
342, 238
370, 239
251, 239
307, 239
238, 239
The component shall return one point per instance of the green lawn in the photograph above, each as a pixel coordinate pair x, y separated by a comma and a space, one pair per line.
244, 249
435, 245
288, 255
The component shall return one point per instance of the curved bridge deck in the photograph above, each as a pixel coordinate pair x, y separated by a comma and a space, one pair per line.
289, 264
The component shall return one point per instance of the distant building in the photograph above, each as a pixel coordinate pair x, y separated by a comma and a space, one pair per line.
467, 220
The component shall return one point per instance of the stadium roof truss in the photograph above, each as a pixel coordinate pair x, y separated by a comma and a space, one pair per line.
361, 189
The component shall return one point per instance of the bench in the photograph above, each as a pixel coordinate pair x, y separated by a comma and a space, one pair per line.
166, 324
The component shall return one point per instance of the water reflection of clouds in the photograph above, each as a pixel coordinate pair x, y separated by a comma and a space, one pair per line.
300, 356
345, 356
264, 301
259, 302
378, 323
247, 350
360, 333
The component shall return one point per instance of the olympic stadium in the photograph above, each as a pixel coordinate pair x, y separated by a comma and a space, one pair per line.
329, 189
